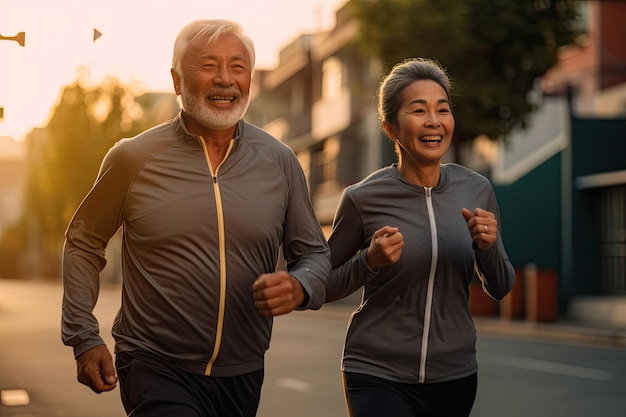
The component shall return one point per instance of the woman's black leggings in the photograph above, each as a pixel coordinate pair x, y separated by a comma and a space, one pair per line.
369, 396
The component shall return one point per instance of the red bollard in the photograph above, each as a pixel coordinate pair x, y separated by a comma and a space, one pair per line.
512, 306
541, 294
480, 303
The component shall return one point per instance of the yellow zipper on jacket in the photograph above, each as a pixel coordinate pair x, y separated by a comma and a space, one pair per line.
222, 255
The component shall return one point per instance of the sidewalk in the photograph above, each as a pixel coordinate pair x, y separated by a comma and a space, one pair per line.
566, 331
587, 323
589, 320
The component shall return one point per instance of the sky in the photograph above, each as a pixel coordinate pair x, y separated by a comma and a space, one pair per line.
135, 45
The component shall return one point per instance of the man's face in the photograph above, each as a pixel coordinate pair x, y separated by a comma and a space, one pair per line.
215, 82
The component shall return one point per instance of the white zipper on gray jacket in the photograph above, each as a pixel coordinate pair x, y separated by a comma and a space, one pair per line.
431, 284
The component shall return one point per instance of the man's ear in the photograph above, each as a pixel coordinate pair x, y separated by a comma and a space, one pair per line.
176, 81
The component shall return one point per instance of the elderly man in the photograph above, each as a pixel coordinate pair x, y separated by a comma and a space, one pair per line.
205, 202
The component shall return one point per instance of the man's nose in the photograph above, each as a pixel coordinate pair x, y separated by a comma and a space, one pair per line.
224, 76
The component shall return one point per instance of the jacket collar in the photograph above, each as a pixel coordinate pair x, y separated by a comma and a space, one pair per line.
183, 134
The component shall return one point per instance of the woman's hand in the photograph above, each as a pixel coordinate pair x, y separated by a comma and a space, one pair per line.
483, 227
385, 248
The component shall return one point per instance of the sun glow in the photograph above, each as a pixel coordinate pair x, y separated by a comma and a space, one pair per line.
135, 45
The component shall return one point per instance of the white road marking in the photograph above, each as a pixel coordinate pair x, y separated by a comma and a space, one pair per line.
294, 384
550, 367
14, 397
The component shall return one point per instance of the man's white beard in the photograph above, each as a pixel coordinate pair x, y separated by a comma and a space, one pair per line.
214, 119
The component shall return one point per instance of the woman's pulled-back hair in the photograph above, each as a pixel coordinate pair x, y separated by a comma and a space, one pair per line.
401, 76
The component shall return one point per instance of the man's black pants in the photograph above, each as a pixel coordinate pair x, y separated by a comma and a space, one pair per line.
150, 387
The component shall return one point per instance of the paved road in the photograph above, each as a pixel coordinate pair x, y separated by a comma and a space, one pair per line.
518, 377
521, 378
32, 356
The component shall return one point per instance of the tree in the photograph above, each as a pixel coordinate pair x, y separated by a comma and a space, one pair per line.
493, 50
64, 158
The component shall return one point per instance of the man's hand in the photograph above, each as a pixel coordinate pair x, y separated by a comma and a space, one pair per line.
385, 248
95, 369
277, 293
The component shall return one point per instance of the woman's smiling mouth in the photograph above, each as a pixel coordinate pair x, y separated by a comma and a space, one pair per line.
431, 139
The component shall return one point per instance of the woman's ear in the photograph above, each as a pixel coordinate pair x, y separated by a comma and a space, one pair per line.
389, 131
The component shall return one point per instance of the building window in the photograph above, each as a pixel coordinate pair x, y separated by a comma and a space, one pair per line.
297, 99
331, 79
325, 164
613, 239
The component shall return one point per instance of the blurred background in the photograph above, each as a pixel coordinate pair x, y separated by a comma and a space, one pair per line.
540, 106
540, 103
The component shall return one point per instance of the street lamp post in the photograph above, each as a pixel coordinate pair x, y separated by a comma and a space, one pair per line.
20, 38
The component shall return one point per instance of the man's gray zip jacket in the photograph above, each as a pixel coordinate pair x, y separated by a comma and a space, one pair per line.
195, 238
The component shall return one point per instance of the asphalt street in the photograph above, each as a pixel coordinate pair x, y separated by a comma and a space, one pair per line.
538, 370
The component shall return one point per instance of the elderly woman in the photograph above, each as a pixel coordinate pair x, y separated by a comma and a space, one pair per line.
414, 235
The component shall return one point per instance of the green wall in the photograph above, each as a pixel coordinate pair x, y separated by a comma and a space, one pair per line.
598, 146
530, 214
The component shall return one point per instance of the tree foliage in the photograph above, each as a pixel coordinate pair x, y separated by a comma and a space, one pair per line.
64, 158
493, 50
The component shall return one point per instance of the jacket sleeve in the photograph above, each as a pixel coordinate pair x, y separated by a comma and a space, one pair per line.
493, 266
96, 220
304, 244
348, 247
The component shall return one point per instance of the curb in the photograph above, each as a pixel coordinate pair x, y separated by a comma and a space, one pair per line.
562, 332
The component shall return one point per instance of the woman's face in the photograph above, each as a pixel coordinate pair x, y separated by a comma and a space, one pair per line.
425, 123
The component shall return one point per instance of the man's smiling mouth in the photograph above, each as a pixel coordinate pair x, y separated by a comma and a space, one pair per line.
222, 99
